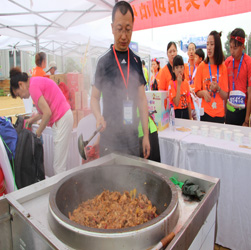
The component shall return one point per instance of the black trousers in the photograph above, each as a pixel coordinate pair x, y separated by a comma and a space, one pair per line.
236, 118
154, 144
181, 113
208, 118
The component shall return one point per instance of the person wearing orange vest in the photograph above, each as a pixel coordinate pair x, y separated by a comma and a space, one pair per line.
40, 61
239, 79
211, 82
166, 73
198, 57
190, 70
180, 91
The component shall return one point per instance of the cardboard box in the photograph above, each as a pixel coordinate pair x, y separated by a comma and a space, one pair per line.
75, 81
59, 78
75, 118
78, 101
83, 112
159, 101
84, 99
72, 99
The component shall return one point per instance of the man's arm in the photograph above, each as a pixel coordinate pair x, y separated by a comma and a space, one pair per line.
143, 110
95, 107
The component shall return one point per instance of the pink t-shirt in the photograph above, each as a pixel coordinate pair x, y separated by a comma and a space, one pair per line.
42, 86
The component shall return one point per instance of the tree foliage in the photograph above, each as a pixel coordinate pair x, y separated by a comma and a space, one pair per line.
227, 47
248, 45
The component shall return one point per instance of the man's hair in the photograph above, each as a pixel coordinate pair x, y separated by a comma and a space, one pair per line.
218, 53
143, 62
123, 7
238, 32
200, 53
190, 44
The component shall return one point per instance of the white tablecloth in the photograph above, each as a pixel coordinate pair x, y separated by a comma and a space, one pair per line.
73, 159
222, 159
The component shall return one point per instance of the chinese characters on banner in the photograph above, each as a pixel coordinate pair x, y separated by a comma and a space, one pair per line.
157, 13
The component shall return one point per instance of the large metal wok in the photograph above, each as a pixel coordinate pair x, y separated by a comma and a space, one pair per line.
89, 182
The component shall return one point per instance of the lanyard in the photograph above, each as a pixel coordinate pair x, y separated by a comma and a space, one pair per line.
191, 75
128, 67
210, 72
238, 69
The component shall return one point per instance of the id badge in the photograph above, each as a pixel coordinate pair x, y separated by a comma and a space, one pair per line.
128, 114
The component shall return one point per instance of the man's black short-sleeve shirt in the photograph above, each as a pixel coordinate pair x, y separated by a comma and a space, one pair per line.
109, 82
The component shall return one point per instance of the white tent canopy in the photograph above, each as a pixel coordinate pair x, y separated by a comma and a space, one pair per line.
36, 19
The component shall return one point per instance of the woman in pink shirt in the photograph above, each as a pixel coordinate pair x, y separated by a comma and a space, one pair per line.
53, 110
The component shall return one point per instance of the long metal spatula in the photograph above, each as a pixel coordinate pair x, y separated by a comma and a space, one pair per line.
82, 144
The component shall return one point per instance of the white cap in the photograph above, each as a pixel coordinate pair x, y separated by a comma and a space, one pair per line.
52, 64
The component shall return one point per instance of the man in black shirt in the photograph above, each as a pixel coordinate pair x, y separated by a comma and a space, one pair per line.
119, 77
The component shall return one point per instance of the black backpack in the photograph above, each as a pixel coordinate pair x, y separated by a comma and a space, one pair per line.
29, 159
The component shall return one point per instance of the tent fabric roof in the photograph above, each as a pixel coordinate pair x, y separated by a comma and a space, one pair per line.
36, 19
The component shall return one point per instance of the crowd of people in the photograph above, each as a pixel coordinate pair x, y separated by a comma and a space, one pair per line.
221, 86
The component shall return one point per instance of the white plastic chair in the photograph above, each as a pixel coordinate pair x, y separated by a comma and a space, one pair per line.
87, 127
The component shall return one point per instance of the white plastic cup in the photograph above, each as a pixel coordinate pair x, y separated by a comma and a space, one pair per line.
194, 130
227, 135
217, 133
204, 131
212, 128
236, 131
238, 137
204, 126
249, 137
224, 129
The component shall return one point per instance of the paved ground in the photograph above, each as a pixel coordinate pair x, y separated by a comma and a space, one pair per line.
10, 106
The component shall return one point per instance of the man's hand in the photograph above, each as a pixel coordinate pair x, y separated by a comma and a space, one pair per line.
146, 146
245, 124
101, 122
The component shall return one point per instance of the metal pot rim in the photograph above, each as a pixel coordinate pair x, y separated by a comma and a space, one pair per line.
73, 226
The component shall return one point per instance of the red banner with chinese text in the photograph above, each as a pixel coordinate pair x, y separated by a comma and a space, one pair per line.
157, 13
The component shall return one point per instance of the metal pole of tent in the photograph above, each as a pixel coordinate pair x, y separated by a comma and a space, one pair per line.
36, 39
62, 59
